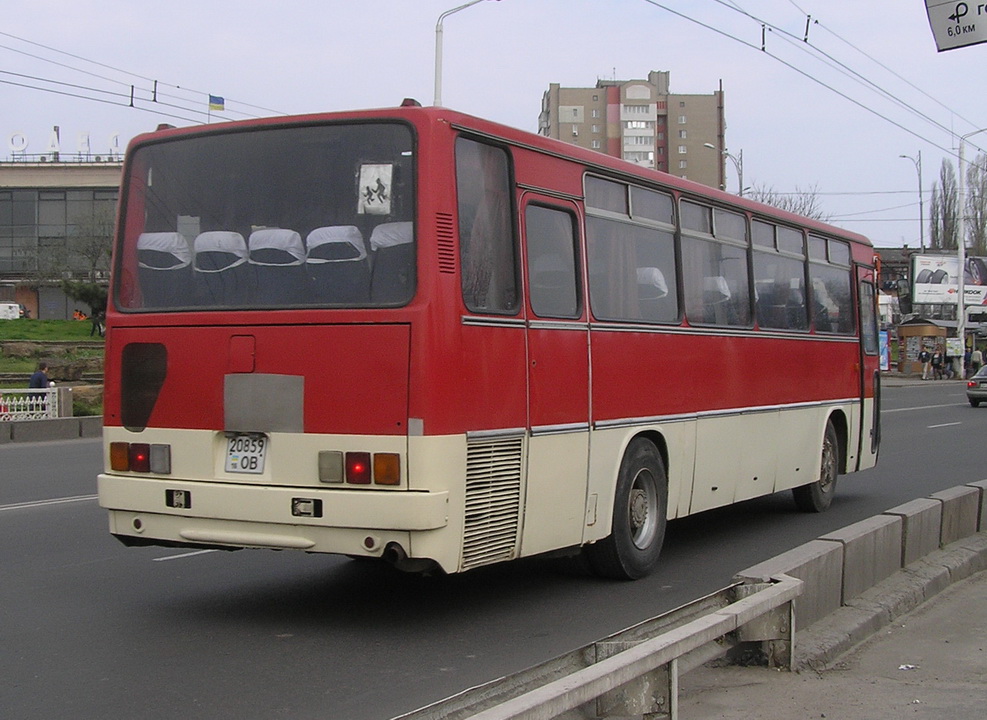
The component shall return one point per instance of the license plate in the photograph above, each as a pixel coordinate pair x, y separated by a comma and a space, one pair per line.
245, 453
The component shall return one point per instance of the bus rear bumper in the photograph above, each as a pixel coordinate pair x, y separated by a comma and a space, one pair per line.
143, 512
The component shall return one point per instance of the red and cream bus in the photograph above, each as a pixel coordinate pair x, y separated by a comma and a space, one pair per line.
415, 335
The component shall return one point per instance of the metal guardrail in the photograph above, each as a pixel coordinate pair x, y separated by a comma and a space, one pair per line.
40, 404
635, 672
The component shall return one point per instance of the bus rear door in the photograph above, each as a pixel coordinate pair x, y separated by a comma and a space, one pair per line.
558, 376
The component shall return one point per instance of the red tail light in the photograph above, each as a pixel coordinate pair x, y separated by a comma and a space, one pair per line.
358, 468
140, 457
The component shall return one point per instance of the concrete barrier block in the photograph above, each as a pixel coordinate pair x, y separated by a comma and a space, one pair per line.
40, 430
981, 485
871, 552
819, 564
91, 427
921, 528
960, 512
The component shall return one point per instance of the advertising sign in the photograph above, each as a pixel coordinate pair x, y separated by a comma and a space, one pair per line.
957, 24
935, 280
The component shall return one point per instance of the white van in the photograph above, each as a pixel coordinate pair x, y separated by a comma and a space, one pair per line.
9, 311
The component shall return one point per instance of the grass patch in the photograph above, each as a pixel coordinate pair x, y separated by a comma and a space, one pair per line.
47, 330
82, 408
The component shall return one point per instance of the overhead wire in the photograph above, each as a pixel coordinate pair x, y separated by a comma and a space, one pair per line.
797, 69
146, 89
843, 68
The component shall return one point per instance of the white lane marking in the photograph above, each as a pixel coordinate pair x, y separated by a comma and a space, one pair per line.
922, 407
930, 427
54, 501
184, 555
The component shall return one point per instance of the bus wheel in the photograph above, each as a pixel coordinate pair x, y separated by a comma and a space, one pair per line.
639, 516
817, 496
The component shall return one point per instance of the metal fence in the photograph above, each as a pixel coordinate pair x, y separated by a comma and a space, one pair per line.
40, 404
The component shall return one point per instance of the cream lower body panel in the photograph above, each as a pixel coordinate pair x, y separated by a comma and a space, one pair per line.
716, 459
241, 510
352, 522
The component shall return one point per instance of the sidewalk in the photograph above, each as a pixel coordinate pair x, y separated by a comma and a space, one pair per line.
894, 379
928, 664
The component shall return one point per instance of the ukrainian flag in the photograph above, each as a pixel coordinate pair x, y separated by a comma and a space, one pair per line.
216, 103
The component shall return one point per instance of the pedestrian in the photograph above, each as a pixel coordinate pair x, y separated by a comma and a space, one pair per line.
99, 323
966, 363
39, 380
936, 363
976, 360
925, 357
40, 377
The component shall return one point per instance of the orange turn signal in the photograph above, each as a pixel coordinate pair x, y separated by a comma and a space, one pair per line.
387, 469
120, 456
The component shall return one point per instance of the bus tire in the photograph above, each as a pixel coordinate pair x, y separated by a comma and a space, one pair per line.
639, 516
817, 496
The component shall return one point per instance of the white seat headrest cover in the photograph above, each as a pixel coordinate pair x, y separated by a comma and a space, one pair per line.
278, 239
222, 241
717, 285
652, 277
166, 242
391, 235
347, 234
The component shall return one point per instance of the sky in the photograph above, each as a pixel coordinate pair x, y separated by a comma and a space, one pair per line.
832, 114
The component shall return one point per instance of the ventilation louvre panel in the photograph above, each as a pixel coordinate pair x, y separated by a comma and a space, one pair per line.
493, 501
445, 238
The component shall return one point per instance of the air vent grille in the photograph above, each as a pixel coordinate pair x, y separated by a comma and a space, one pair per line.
493, 501
446, 238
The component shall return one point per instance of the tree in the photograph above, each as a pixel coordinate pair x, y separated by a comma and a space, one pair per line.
976, 206
803, 202
943, 213
89, 293
93, 239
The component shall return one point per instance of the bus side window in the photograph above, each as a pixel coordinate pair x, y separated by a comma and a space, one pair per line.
486, 233
552, 264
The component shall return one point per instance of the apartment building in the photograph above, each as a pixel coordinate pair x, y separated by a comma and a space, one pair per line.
643, 122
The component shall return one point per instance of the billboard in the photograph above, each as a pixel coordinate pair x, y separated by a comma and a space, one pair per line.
935, 280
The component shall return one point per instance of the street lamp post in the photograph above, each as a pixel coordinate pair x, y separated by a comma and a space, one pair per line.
438, 47
961, 240
921, 204
738, 163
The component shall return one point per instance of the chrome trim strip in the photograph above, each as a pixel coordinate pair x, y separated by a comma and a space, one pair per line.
719, 331
486, 321
730, 412
495, 434
559, 429
559, 325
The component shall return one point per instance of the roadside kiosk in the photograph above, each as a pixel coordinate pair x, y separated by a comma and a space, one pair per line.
913, 335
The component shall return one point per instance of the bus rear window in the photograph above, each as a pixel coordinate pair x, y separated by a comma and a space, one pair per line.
270, 218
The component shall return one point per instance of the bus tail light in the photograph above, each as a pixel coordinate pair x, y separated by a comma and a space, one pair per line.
387, 469
358, 468
140, 457
120, 456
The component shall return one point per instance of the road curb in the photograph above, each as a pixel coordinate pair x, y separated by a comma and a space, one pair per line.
820, 645
69, 428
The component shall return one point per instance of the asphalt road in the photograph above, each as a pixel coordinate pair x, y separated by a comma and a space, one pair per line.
90, 629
